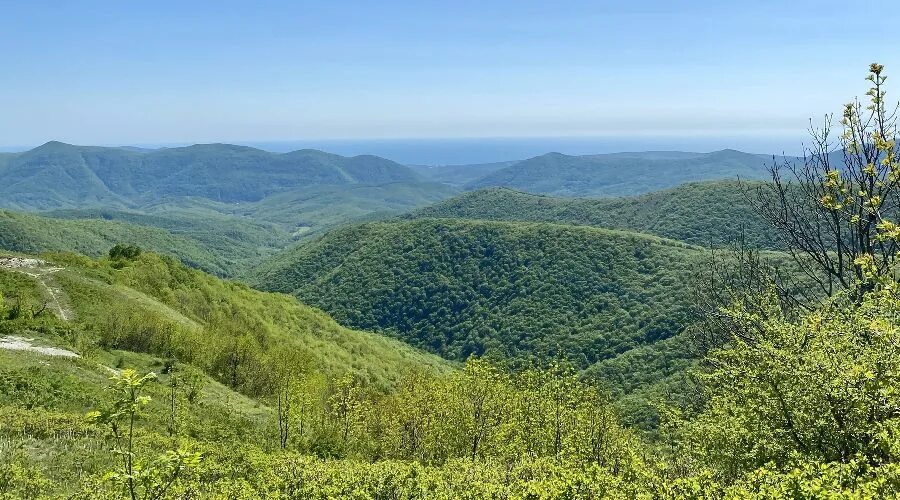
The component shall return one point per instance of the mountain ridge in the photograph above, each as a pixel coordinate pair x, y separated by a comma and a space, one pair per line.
707, 213
621, 174
97, 176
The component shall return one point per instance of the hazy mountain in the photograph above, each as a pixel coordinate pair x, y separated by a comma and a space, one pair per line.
621, 174
58, 175
459, 175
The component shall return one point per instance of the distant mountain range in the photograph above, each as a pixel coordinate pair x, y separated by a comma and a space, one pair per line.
621, 174
62, 176
245, 204
58, 175
241, 202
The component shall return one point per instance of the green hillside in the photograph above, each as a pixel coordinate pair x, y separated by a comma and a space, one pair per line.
52, 450
226, 240
252, 395
238, 241
706, 213
68, 324
29, 233
622, 174
158, 306
513, 290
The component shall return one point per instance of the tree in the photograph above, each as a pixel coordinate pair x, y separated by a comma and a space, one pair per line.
822, 387
146, 480
238, 360
812, 387
482, 388
283, 411
287, 366
834, 211
124, 252
346, 409
740, 278
188, 384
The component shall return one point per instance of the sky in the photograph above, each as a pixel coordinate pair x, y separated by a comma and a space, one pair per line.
121, 72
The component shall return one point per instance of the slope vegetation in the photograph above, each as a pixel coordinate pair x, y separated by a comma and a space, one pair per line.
225, 208
237, 243
158, 306
459, 175
518, 290
27, 233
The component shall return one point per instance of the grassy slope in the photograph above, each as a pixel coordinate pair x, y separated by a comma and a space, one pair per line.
46, 399
161, 290
43, 400
705, 213
515, 289
78, 384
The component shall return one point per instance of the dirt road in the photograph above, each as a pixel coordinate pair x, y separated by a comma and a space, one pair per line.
43, 272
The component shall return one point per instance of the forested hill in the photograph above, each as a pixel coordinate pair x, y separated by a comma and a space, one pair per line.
58, 175
622, 174
519, 290
705, 213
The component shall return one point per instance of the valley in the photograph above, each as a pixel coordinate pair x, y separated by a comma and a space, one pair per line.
516, 277
401, 250
366, 319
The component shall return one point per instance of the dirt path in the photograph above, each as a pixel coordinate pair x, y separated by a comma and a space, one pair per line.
16, 343
41, 271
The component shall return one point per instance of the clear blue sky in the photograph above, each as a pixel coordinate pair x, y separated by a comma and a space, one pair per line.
127, 72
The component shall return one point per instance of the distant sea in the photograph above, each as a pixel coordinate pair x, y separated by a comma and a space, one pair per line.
487, 150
